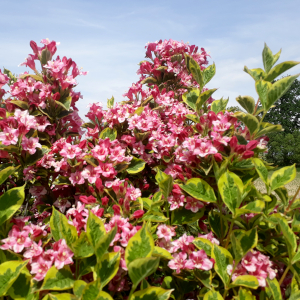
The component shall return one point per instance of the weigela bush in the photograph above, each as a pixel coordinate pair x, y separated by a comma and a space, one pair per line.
153, 197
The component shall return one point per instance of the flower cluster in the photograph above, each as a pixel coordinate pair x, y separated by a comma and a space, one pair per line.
155, 185
256, 264
26, 239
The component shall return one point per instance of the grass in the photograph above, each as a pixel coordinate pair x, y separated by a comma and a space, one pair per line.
291, 187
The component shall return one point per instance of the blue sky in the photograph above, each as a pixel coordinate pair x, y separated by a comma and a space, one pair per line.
107, 38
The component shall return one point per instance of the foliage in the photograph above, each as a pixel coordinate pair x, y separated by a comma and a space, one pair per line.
283, 147
157, 200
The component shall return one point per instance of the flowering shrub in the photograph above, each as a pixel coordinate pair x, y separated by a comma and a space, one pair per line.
156, 200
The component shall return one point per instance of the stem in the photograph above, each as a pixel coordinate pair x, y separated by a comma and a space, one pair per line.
294, 198
229, 233
284, 274
256, 106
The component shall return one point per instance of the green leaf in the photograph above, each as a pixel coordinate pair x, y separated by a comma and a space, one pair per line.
152, 293
9, 273
78, 287
218, 224
66, 102
195, 69
296, 258
255, 207
110, 102
154, 216
58, 280
296, 221
261, 169
10, 202
183, 216
203, 244
141, 268
289, 236
222, 259
161, 252
21, 104
104, 296
137, 165
219, 105
82, 247
279, 88
267, 128
62, 296
108, 267
245, 295
61, 229
247, 103
203, 97
213, 295
283, 195
262, 88
256, 74
149, 80
165, 183
248, 281
209, 73
249, 120
275, 288
139, 246
268, 58
282, 177
94, 229
279, 69
295, 296
110, 133
21, 287
193, 118
104, 242
91, 290
242, 242
199, 189
231, 188
205, 277
190, 98
31, 159
45, 56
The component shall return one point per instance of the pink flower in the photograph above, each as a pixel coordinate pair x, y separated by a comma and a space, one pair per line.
180, 262
30, 144
70, 151
62, 254
166, 232
138, 214
107, 170
91, 174
9, 136
97, 211
40, 267
176, 201
205, 148
193, 204
201, 261
62, 204
184, 243
210, 237
3, 79
100, 152
87, 200
17, 240
34, 251
77, 178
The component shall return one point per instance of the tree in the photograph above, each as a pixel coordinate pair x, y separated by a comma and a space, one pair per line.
287, 110
284, 147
